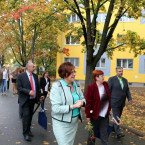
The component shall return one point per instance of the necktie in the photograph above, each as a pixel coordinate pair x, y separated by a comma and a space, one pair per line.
31, 82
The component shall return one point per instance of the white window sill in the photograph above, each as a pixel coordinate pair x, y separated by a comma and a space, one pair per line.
127, 68
126, 21
99, 67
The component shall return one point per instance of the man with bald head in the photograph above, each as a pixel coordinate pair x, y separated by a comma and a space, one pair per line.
28, 90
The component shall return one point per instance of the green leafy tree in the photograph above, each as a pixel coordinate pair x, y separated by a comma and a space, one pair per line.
87, 11
27, 27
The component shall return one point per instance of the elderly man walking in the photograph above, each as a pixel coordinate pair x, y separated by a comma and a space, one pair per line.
119, 92
28, 90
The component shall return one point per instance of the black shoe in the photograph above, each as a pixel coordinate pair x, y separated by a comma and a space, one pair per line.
27, 138
30, 134
120, 135
113, 130
20, 116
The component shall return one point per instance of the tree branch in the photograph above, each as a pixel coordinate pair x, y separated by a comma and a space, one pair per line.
108, 49
15, 55
113, 26
94, 22
93, 6
33, 42
105, 30
103, 3
80, 17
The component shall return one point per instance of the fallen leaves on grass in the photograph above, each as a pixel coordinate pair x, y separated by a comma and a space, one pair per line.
134, 114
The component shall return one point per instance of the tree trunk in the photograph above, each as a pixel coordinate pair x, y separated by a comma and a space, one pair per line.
2, 60
37, 70
33, 43
89, 77
89, 45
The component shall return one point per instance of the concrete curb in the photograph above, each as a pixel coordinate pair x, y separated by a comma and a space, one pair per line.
139, 133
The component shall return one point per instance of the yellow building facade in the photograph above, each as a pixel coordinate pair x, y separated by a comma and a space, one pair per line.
134, 67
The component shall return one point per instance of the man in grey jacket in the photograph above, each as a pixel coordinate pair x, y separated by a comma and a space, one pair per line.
119, 91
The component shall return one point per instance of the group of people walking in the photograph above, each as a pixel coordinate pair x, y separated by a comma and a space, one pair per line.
5, 76
67, 99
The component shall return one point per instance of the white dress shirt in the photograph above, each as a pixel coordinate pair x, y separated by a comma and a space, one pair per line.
46, 87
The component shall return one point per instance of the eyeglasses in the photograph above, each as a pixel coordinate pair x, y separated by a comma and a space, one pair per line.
73, 72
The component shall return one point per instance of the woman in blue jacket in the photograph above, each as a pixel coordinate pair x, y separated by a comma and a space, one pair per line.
66, 98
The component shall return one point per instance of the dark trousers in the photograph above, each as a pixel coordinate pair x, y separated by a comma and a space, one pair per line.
42, 104
100, 124
27, 111
8, 84
117, 112
20, 111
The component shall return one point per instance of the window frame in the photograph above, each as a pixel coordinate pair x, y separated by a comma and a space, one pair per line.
70, 39
100, 63
126, 19
100, 18
76, 19
144, 64
142, 19
127, 68
74, 63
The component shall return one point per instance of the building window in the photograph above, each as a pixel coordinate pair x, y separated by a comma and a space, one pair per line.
125, 63
126, 19
74, 61
101, 17
119, 37
101, 63
144, 64
142, 19
73, 18
70, 40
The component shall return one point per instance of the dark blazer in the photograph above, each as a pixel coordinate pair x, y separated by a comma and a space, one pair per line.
24, 87
43, 83
92, 97
118, 95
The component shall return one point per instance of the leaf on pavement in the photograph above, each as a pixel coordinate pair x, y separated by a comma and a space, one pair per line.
45, 143
2, 133
18, 142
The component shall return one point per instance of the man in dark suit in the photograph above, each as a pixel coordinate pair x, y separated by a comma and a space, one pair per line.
28, 90
119, 91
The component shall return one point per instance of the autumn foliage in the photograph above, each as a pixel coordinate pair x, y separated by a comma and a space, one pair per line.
29, 31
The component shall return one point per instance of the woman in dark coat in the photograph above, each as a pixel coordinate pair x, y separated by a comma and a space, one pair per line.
44, 86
